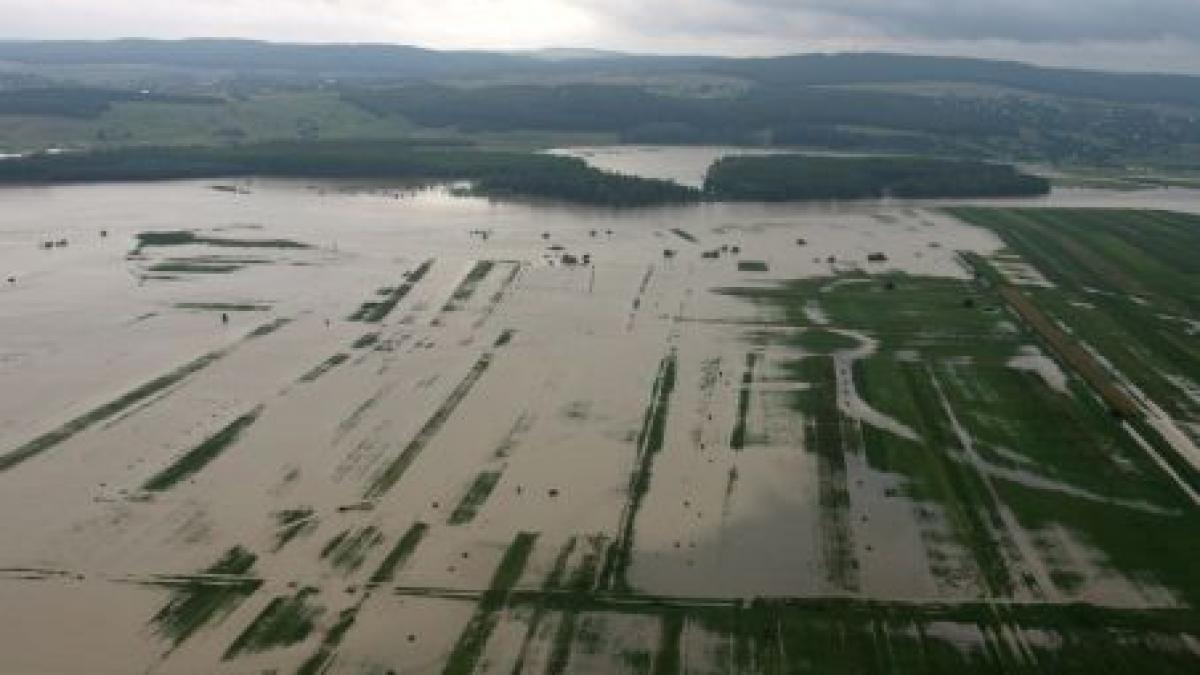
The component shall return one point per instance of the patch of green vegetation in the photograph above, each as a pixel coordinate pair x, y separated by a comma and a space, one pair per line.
368, 340
520, 427
505, 338
194, 268
291, 523
649, 443
467, 650
79, 102
559, 660
1125, 284
553, 582
491, 173
222, 306
347, 550
285, 621
1070, 438
667, 658
1165, 559
737, 438
684, 235
475, 497
400, 553
207, 596
141, 393
849, 635
466, 288
395, 470
825, 435
374, 311
153, 238
753, 266
316, 664
268, 328
194, 460
788, 177
821, 341
987, 436
325, 366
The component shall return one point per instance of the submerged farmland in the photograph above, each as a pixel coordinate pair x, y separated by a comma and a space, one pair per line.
381, 442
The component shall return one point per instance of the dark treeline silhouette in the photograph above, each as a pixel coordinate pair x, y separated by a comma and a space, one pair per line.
844, 119
588, 107
506, 174
381, 62
801, 177
82, 102
533, 175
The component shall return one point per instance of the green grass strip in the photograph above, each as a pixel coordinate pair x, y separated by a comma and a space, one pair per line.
475, 497
400, 553
468, 649
49, 440
200, 456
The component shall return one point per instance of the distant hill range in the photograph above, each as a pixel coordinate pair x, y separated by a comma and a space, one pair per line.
378, 61
214, 92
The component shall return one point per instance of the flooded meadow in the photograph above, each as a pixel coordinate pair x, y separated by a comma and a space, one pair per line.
274, 426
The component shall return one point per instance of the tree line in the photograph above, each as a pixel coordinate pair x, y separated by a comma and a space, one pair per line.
804, 177
492, 173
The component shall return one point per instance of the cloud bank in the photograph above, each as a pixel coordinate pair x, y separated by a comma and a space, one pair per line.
1126, 34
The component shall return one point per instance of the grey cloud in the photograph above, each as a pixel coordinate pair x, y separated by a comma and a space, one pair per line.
1016, 20
1118, 34
1020, 20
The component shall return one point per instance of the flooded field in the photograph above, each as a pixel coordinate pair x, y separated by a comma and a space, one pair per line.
294, 428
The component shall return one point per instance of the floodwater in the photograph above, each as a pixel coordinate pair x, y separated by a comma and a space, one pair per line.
686, 165
489, 401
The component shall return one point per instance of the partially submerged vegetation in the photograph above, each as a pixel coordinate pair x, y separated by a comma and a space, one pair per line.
891, 446
324, 367
1123, 284
375, 311
285, 621
649, 443
400, 553
491, 173
466, 288
995, 460
364, 341
318, 662
155, 238
223, 306
848, 635
348, 549
465, 655
208, 596
116, 406
194, 460
395, 470
737, 438
292, 523
474, 497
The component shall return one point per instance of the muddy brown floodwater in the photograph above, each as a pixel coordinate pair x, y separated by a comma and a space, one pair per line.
381, 405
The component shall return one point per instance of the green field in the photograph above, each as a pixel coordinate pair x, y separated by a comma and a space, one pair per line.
1127, 284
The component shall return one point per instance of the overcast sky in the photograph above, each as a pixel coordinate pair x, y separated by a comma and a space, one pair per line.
1117, 34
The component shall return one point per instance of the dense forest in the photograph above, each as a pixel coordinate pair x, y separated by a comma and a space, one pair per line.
82, 102
802, 177
491, 173
535, 175
827, 117
625, 108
